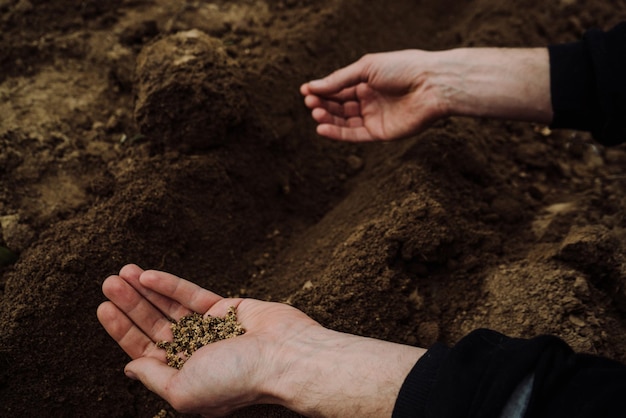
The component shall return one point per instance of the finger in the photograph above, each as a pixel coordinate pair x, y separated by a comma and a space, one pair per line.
170, 308
155, 375
322, 116
132, 340
137, 308
314, 102
305, 90
345, 133
179, 293
343, 78
131, 271
352, 109
344, 95
342, 109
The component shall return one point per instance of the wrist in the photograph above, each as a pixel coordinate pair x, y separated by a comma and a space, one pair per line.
332, 374
505, 83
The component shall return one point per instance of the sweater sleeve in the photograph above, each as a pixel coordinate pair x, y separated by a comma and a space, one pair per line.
477, 377
588, 84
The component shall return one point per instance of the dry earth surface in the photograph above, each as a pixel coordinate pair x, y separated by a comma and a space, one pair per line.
171, 134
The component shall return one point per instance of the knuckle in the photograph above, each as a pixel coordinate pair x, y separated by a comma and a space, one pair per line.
368, 58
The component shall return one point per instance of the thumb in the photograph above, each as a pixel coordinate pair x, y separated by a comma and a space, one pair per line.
154, 374
345, 77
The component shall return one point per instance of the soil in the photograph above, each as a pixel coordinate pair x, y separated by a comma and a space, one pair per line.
171, 134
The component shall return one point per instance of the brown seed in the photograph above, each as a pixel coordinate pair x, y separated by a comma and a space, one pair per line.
193, 331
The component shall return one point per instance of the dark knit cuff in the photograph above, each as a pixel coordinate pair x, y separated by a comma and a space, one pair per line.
588, 86
416, 388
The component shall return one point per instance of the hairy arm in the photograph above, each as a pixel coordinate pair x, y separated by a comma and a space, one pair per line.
500, 83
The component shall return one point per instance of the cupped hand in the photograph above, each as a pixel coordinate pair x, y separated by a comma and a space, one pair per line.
284, 357
219, 377
379, 97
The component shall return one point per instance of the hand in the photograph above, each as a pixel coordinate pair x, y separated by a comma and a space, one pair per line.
216, 379
396, 94
284, 357
380, 97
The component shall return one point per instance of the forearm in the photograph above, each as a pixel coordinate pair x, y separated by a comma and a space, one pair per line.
332, 374
502, 83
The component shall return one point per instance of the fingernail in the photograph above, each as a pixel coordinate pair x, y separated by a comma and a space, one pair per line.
130, 374
316, 83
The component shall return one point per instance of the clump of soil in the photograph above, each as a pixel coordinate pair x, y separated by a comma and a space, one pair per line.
189, 91
193, 331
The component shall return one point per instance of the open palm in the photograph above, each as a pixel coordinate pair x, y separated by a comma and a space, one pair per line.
242, 369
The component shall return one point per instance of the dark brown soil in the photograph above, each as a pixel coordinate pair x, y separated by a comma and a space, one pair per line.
473, 224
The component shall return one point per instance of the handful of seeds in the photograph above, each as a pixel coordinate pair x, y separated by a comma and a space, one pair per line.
194, 331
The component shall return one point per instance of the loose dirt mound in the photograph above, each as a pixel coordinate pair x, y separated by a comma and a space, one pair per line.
473, 224
188, 91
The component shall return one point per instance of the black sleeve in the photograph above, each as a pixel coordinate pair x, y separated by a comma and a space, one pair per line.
588, 84
476, 378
